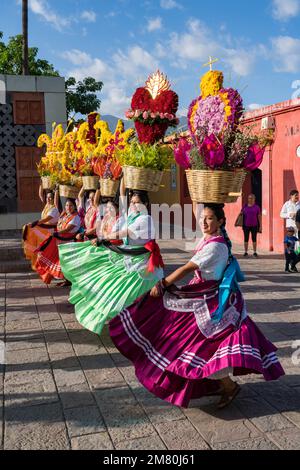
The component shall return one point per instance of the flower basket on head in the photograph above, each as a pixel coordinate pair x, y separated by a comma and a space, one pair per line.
68, 191
215, 186
47, 183
109, 187
90, 182
143, 179
219, 148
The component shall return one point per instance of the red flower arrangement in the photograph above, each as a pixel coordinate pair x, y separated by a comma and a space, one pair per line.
108, 167
153, 109
92, 135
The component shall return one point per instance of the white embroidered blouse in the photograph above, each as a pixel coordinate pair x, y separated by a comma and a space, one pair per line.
212, 260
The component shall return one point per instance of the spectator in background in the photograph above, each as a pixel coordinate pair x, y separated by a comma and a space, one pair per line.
251, 223
298, 222
291, 259
290, 209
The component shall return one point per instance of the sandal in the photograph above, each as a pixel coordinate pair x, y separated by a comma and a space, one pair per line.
228, 397
217, 393
64, 284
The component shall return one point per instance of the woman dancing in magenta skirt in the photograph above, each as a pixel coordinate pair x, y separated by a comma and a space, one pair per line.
185, 342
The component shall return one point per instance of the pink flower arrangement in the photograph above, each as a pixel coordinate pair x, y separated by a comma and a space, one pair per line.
213, 152
216, 138
181, 153
210, 115
254, 157
140, 115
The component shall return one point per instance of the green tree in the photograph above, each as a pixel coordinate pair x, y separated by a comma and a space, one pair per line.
11, 59
81, 96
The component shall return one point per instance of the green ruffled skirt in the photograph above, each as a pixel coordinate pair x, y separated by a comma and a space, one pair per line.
103, 282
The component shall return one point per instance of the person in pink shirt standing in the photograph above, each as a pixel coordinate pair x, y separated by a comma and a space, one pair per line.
251, 223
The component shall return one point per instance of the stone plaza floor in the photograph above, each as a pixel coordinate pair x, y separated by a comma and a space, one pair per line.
62, 387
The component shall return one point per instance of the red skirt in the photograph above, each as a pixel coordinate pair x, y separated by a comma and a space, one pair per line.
48, 265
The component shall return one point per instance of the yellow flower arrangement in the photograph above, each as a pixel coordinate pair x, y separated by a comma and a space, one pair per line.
107, 136
58, 138
211, 83
44, 139
72, 137
73, 154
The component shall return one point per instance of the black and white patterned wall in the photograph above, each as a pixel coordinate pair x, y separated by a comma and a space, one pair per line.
12, 136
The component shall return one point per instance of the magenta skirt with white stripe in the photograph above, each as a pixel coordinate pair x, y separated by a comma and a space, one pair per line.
175, 361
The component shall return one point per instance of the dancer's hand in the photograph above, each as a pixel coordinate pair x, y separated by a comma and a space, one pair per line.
155, 292
94, 242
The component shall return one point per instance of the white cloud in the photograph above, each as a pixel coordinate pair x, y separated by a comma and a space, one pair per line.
120, 76
193, 44
284, 10
154, 24
43, 9
170, 4
86, 65
241, 61
198, 42
115, 99
77, 57
89, 16
136, 61
160, 50
286, 53
111, 14
255, 106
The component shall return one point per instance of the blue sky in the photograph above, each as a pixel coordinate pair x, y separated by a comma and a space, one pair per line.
121, 42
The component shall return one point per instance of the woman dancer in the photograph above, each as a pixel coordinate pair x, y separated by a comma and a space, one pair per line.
88, 216
184, 342
87, 211
106, 278
36, 232
68, 225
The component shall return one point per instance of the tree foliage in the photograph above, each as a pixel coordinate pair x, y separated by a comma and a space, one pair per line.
11, 59
81, 96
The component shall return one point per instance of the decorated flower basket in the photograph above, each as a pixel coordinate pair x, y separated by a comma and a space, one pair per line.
90, 182
143, 179
68, 191
215, 186
109, 187
46, 182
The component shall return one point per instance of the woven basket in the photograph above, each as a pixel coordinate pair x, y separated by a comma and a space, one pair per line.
46, 182
90, 182
108, 187
68, 191
215, 186
77, 181
143, 179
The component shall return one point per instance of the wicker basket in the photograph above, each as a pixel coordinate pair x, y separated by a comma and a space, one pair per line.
46, 182
215, 186
108, 187
143, 179
90, 182
76, 181
68, 191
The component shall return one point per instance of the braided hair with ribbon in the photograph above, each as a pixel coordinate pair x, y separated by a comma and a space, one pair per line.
218, 210
233, 274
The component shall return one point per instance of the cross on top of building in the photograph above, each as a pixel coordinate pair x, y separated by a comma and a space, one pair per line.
210, 62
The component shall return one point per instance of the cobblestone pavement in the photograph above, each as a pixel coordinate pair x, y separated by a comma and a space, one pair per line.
65, 388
